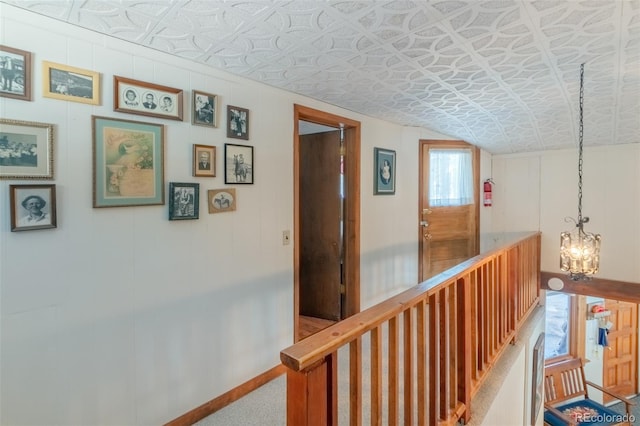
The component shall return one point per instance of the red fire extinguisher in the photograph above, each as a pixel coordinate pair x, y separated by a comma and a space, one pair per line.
488, 196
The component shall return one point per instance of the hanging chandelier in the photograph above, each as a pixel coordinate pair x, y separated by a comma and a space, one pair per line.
579, 250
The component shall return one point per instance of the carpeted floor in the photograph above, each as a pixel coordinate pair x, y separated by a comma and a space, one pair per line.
635, 410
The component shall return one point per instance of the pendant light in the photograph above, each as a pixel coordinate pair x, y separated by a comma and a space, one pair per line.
579, 250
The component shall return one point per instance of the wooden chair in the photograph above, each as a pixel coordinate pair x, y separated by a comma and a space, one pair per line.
566, 398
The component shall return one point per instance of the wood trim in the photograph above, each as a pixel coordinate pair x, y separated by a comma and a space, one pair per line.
227, 398
598, 287
352, 209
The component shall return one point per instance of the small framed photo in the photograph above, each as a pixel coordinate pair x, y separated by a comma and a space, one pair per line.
204, 109
237, 122
15, 65
384, 171
204, 160
153, 100
32, 207
238, 163
26, 150
70, 83
128, 163
184, 201
222, 200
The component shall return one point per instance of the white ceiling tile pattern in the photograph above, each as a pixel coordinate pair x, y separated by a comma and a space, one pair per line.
501, 74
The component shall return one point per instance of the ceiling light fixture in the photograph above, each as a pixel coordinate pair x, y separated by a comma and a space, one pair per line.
579, 250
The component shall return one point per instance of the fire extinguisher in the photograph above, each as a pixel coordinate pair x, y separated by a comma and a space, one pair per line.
488, 196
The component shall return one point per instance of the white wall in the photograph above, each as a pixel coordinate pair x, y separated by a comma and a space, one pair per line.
120, 316
538, 190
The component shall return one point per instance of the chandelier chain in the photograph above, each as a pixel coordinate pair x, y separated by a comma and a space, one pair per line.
580, 137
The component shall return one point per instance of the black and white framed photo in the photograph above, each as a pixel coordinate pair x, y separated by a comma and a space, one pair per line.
384, 171
70, 83
204, 160
140, 97
222, 200
238, 163
184, 201
237, 122
26, 150
32, 207
204, 109
15, 68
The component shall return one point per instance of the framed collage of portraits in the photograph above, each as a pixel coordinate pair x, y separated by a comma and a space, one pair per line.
153, 100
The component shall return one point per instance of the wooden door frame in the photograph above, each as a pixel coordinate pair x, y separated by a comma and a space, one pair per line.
351, 212
423, 143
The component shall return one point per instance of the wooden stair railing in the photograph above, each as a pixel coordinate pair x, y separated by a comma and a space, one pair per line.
442, 338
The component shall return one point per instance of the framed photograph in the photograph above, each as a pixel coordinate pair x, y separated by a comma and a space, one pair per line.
70, 84
384, 171
26, 150
15, 68
204, 109
237, 122
204, 160
32, 207
184, 201
153, 100
128, 163
537, 390
238, 163
222, 200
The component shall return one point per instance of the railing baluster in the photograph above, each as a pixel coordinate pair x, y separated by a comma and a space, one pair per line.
393, 371
376, 376
454, 327
421, 361
408, 366
355, 382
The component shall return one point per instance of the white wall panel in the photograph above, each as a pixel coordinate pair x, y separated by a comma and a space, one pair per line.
135, 319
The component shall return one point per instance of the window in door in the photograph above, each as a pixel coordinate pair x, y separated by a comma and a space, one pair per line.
450, 177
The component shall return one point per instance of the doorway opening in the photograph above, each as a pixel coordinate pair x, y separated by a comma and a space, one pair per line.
326, 219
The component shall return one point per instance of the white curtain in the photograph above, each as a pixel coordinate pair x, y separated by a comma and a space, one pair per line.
450, 177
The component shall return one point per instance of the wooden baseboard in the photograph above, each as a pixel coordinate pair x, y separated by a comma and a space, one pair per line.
226, 398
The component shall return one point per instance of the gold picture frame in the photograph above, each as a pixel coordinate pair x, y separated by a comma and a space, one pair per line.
70, 83
33, 146
204, 160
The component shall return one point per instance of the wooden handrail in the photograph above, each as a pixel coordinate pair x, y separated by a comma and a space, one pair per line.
458, 323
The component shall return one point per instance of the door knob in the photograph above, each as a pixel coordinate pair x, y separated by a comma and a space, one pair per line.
424, 223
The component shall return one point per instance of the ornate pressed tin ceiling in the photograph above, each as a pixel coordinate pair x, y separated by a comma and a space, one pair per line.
503, 74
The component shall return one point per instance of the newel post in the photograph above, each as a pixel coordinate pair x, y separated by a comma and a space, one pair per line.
312, 397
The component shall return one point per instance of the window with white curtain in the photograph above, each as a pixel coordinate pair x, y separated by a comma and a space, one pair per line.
450, 177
